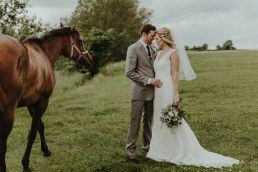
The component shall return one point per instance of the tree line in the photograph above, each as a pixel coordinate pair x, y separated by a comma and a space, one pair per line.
228, 45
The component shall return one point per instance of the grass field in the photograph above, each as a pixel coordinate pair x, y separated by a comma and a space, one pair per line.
87, 121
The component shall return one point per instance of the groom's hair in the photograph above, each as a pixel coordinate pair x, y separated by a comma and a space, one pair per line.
147, 28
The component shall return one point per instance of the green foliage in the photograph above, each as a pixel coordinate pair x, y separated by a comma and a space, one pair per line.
15, 21
86, 126
112, 22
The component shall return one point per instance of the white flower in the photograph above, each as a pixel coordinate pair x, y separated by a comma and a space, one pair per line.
171, 116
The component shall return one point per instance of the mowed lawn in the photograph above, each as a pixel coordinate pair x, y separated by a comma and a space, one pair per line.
87, 121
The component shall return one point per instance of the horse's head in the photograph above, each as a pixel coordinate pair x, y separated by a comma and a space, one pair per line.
77, 51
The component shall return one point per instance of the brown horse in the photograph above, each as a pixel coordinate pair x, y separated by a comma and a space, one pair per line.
27, 79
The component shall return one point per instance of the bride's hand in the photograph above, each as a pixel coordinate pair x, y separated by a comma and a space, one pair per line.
176, 101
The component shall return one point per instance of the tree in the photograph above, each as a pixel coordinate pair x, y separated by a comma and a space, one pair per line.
100, 44
219, 47
194, 48
228, 45
187, 47
15, 21
204, 46
124, 17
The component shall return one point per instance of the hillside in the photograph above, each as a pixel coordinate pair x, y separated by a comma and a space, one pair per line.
87, 121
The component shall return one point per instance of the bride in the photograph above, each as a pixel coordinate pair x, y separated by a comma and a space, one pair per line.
181, 147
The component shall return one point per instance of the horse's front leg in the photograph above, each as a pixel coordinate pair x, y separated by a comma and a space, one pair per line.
3, 147
31, 138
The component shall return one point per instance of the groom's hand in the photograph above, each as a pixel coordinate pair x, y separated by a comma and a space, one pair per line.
156, 83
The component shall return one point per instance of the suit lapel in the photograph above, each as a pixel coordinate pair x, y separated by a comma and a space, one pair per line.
145, 53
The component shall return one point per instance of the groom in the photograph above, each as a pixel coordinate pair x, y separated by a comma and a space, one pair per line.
139, 68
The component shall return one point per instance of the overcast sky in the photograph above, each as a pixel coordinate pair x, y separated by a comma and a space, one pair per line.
194, 22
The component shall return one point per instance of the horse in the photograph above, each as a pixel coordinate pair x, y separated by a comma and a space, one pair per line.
27, 79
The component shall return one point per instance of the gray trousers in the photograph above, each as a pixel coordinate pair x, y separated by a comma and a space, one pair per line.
139, 108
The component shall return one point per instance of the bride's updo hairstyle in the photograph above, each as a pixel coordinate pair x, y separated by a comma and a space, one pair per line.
166, 36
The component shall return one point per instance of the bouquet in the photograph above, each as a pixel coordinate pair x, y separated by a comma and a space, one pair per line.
172, 116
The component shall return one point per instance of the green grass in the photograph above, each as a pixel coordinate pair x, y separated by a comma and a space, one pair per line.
86, 122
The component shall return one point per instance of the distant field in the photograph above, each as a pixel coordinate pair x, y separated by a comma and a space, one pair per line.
87, 121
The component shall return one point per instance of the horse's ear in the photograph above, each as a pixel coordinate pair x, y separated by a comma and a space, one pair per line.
73, 27
61, 25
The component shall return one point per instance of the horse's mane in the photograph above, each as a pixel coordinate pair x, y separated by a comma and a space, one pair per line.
64, 31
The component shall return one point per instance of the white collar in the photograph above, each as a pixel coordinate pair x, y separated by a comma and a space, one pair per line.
143, 43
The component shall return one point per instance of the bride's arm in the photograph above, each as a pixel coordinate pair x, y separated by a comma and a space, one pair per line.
174, 69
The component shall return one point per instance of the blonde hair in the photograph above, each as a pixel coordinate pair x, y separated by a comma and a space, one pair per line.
166, 36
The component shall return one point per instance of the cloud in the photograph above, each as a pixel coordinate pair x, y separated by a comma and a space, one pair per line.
50, 15
51, 11
212, 22
195, 22
67, 4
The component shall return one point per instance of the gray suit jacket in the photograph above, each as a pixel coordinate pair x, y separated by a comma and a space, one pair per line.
139, 68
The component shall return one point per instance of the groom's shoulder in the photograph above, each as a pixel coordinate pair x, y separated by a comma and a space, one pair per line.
135, 45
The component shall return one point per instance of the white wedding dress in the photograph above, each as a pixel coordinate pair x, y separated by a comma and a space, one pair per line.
181, 147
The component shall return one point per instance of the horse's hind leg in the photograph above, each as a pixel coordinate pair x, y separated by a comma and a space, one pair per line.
44, 147
41, 130
6, 125
36, 111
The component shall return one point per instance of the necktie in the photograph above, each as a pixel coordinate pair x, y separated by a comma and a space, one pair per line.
149, 54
